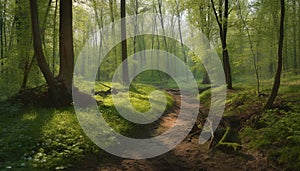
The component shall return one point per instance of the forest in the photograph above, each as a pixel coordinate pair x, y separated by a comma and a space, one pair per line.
150, 85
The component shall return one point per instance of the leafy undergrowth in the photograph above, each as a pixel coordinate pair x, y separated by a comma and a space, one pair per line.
52, 139
274, 132
277, 132
41, 138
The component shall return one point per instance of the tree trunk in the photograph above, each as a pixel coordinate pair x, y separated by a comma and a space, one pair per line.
66, 50
1, 37
136, 29
276, 83
294, 39
164, 33
38, 49
124, 43
27, 69
251, 48
112, 8
180, 35
223, 26
54, 40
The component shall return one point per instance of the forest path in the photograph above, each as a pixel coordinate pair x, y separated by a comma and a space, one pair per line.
188, 155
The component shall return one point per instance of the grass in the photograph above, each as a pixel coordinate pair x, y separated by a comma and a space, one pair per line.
52, 139
42, 138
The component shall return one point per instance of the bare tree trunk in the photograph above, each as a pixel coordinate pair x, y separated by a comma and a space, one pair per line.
276, 83
180, 35
223, 26
112, 6
206, 28
4, 38
152, 41
66, 50
1, 35
164, 32
54, 39
251, 48
99, 20
298, 14
38, 49
285, 57
124, 43
29, 61
27, 68
294, 39
136, 7
43, 29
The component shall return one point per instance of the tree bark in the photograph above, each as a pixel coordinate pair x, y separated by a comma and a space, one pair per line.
136, 30
180, 35
66, 50
54, 40
223, 26
112, 8
124, 43
251, 48
38, 49
1, 37
294, 39
276, 83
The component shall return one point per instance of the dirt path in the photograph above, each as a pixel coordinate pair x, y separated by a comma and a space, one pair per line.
188, 155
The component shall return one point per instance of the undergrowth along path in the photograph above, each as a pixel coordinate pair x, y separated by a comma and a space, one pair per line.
188, 155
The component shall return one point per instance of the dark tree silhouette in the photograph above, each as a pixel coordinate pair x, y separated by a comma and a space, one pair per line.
276, 83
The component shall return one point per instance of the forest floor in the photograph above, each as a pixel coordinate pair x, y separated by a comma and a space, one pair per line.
188, 155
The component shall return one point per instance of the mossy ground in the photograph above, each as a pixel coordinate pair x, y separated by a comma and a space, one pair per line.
33, 138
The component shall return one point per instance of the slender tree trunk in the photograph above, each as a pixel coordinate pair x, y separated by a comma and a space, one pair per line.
285, 57
43, 29
112, 6
152, 42
54, 38
206, 19
164, 32
271, 62
99, 20
251, 48
124, 43
298, 14
38, 49
136, 7
223, 26
4, 38
224, 45
276, 83
66, 50
29, 61
180, 35
294, 38
1, 36
27, 68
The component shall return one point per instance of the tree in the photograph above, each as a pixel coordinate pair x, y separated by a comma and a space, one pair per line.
245, 25
222, 21
124, 43
59, 90
38, 49
66, 50
180, 35
276, 83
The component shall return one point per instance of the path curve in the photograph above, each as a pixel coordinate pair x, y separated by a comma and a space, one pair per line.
188, 155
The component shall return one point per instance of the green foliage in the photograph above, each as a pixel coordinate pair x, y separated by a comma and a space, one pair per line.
278, 134
42, 138
52, 139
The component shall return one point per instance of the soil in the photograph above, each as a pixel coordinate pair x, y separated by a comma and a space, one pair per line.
188, 155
